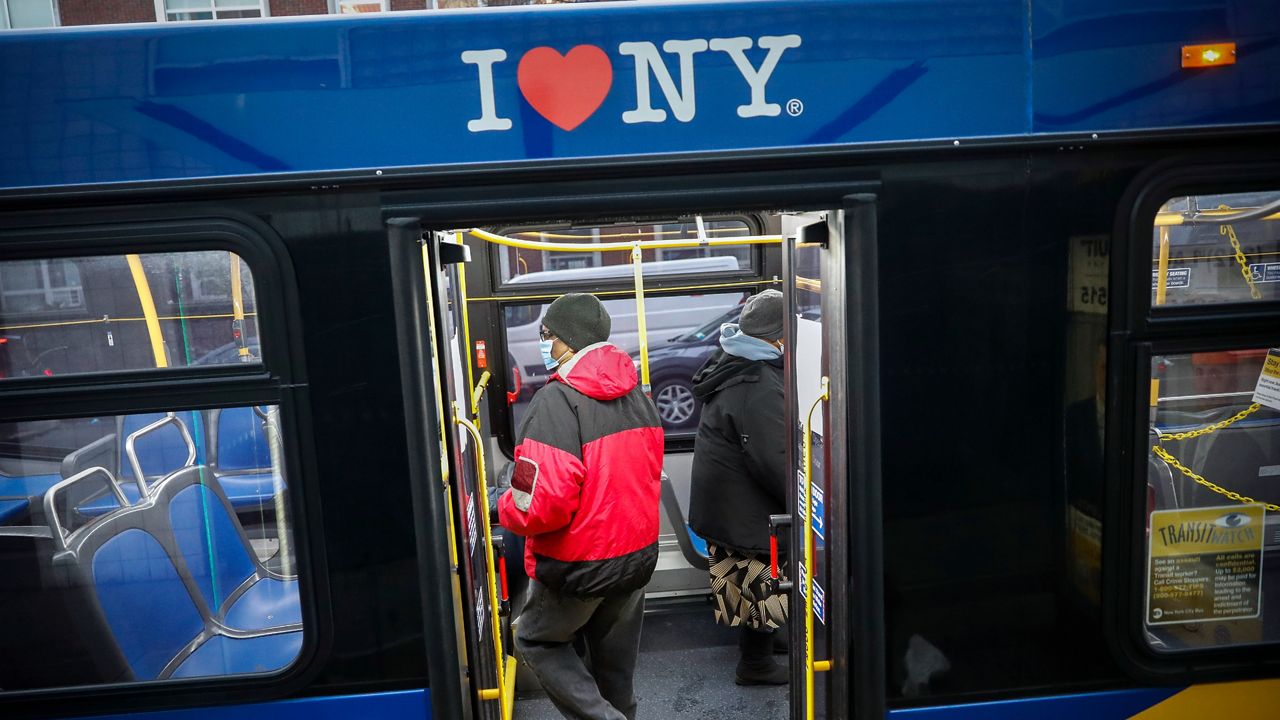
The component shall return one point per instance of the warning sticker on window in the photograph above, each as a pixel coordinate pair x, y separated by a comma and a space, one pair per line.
1268, 390
1205, 564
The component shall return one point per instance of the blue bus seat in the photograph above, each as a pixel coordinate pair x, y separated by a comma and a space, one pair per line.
238, 590
160, 452
145, 603
16, 492
692, 547
241, 457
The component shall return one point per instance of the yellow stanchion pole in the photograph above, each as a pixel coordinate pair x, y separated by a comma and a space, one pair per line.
810, 665
637, 263
148, 310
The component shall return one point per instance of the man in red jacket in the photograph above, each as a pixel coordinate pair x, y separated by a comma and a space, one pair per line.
585, 493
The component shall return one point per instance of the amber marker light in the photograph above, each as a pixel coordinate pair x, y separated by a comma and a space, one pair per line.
1212, 55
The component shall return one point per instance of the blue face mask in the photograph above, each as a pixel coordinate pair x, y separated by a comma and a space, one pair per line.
544, 346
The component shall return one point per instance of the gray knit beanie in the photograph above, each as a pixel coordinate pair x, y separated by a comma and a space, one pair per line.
578, 319
762, 316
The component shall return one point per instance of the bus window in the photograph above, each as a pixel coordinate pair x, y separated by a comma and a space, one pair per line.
1216, 249
683, 332
525, 267
126, 312
1213, 547
142, 547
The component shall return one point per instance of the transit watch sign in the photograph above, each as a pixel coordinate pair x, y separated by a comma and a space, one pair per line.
1205, 564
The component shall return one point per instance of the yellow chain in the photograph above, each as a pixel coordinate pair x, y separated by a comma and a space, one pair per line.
1214, 427
1173, 462
1243, 261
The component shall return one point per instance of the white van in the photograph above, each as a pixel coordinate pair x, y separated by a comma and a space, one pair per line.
667, 317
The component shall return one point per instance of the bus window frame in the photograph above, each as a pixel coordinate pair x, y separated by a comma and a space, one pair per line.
1138, 332
501, 286
502, 427
279, 379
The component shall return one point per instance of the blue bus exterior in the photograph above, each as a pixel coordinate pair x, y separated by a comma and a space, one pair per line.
316, 104
355, 97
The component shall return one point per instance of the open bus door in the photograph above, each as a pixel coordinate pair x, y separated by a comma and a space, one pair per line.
835, 563
443, 421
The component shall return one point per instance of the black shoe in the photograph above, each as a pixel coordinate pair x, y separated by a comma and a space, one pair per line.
756, 667
781, 641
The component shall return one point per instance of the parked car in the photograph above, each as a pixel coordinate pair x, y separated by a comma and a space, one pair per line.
671, 370
666, 315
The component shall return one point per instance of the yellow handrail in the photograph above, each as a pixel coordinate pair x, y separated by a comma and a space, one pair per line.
148, 310
810, 665
482, 489
1162, 269
237, 308
466, 329
620, 246
642, 326
478, 393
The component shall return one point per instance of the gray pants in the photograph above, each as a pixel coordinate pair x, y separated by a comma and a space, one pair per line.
599, 686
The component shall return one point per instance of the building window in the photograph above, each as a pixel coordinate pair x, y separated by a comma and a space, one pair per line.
210, 9
355, 7
22, 14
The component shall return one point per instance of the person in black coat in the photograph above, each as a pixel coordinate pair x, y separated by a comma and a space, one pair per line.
739, 479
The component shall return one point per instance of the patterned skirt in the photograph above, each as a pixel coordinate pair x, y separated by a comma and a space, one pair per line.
741, 591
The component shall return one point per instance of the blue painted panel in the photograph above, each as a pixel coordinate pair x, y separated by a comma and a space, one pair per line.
1097, 706
399, 705
1100, 65
182, 101
172, 101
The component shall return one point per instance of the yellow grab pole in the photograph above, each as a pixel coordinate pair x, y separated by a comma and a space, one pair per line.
1162, 269
637, 263
810, 665
237, 307
466, 329
622, 245
429, 294
482, 489
148, 310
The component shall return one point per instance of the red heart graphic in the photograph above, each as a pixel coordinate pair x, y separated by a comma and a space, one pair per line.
565, 89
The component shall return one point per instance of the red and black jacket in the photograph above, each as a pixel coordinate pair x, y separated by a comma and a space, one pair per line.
587, 478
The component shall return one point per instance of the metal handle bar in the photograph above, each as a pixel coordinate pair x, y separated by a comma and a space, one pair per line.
131, 451
806, 533
51, 509
503, 693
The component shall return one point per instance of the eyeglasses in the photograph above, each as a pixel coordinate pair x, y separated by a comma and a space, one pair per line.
545, 334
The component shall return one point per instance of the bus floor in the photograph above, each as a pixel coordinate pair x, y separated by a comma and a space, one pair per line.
686, 670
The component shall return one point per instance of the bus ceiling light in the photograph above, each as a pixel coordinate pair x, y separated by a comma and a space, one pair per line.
1211, 55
